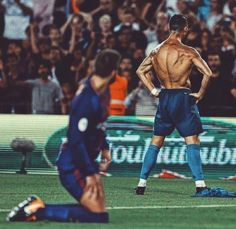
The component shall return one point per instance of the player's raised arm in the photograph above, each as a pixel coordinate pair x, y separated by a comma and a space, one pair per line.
205, 70
144, 71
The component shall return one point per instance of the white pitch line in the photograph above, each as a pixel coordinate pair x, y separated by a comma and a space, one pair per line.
160, 207
165, 207
5, 210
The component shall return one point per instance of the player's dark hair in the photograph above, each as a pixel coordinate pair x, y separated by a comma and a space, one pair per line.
107, 61
177, 22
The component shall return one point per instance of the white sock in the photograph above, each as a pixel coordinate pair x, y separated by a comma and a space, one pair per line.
200, 184
142, 182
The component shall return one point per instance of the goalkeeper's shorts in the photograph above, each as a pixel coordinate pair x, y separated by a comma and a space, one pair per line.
73, 182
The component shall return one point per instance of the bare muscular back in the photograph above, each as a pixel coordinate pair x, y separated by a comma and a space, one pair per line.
172, 62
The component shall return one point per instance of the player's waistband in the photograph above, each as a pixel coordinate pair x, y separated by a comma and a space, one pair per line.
174, 90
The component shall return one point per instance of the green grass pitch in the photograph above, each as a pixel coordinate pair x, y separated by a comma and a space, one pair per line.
167, 203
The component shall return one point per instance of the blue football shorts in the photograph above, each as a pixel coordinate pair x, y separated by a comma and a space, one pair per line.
177, 109
73, 182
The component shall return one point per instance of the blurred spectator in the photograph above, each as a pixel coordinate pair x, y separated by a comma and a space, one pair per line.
3, 86
127, 17
183, 7
77, 29
86, 72
69, 34
233, 85
126, 70
59, 14
43, 11
138, 56
46, 95
111, 42
118, 92
227, 7
217, 100
125, 64
105, 27
105, 7
55, 36
193, 37
234, 70
233, 18
15, 99
100, 37
227, 51
157, 32
203, 9
216, 8
216, 43
205, 39
59, 68
76, 64
17, 18
2, 21
68, 91
124, 38
233, 93
171, 7
139, 102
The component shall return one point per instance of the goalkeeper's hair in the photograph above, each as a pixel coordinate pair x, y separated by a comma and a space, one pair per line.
107, 61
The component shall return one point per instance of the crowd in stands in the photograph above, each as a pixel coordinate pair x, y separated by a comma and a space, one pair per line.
47, 48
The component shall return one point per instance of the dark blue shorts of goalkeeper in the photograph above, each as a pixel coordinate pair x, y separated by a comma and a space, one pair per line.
73, 182
177, 109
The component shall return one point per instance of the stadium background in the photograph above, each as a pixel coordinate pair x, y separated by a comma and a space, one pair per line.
65, 35
129, 138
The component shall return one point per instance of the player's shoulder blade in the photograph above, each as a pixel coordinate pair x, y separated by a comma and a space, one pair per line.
190, 50
156, 49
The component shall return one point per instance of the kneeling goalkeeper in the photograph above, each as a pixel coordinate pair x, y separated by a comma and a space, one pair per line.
78, 171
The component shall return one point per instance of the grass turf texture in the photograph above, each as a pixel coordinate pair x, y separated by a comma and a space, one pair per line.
119, 193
